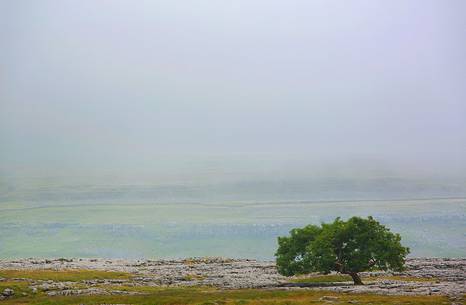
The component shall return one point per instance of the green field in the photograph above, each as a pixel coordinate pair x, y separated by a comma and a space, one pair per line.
229, 229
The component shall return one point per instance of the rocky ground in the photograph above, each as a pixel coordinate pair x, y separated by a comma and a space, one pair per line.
436, 276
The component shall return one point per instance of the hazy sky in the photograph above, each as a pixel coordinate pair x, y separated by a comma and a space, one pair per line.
117, 84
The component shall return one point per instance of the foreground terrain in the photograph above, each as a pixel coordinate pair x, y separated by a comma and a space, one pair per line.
221, 281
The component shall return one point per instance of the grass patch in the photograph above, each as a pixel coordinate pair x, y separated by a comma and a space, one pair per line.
193, 277
18, 287
64, 275
329, 278
197, 296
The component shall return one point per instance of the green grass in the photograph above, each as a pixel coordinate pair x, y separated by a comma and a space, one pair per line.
210, 296
26, 229
18, 287
64, 275
330, 278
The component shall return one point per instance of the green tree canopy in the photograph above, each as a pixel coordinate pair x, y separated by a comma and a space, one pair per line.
348, 247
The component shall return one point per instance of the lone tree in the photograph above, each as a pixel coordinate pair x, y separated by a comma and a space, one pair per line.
348, 247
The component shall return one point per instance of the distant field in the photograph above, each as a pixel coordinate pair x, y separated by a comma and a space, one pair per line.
88, 228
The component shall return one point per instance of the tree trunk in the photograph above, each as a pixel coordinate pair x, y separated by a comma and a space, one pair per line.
356, 278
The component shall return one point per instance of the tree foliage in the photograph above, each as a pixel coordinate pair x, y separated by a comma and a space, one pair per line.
348, 247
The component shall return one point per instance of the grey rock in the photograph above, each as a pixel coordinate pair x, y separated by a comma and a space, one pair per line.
8, 292
328, 298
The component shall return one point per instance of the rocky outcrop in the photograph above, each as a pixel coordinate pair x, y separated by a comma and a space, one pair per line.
8, 292
439, 276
